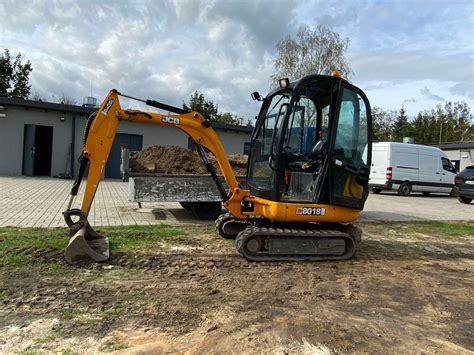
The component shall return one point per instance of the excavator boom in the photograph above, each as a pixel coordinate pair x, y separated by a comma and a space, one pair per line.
99, 135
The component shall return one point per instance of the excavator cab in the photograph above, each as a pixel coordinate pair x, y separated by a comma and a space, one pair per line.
310, 144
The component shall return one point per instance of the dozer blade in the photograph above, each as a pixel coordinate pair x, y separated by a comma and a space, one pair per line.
85, 243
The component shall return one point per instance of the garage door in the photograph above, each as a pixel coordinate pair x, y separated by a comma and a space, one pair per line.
130, 141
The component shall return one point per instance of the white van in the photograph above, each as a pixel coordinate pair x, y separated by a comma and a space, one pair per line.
410, 167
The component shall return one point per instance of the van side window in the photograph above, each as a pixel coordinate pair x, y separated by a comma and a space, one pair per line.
447, 165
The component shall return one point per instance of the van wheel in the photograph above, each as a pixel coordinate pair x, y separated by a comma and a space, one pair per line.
452, 193
404, 189
463, 199
376, 190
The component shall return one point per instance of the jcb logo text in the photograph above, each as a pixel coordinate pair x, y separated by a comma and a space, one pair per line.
172, 120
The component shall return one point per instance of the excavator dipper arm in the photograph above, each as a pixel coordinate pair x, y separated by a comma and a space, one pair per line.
99, 136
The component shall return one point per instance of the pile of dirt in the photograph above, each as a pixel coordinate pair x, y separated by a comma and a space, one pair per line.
177, 161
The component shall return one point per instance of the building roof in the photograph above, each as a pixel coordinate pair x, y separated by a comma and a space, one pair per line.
455, 145
88, 110
45, 105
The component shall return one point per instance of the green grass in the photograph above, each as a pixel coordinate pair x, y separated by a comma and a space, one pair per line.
433, 228
113, 344
141, 238
122, 239
149, 238
56, 238
114, 311
68, 314
12, 259
447, 229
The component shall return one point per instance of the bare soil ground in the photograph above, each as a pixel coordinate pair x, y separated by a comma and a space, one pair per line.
409, 290
178, 160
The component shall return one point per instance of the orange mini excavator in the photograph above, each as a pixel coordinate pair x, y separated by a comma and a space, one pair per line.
307, 172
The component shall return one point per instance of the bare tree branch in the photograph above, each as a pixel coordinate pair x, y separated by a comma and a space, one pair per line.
312, 51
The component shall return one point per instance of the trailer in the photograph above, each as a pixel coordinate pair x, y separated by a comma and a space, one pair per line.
196, 193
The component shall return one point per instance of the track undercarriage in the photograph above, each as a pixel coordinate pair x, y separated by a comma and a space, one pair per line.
263, 240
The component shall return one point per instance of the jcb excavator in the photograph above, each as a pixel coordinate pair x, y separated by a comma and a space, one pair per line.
307, 173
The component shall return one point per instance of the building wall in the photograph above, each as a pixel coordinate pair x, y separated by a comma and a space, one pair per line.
12, 132
12, 135
152, 135
464, 156
467, 158
155, 135
233, 141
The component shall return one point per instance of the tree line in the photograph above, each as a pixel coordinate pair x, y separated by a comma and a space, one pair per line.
210, 110
451, 122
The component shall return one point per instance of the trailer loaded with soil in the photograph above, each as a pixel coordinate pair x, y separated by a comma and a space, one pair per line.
176, 174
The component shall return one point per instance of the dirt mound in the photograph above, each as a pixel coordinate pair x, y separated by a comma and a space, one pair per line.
177, 160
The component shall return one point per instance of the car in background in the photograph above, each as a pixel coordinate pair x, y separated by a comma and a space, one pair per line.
464, 185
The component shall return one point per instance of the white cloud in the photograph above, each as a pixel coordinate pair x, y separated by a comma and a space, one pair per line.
428, 94
167, 49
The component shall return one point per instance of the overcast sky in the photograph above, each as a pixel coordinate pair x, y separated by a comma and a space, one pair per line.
416, 53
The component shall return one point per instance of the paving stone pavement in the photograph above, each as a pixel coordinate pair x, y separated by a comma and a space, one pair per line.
38, 202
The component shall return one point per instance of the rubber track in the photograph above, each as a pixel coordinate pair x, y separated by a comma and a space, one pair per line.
226, 217
291, 233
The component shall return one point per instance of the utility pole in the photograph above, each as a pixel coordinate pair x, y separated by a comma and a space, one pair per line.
440, 129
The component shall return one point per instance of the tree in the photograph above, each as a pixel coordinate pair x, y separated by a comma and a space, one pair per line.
452, 122
449, 123
198, 103
401, 126
382, 124
64, 99
229, 118
36, 96
208, 109
14, 76
312, 51
460, 116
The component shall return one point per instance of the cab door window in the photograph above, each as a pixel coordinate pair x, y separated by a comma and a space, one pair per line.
350, 171
351, 136
261, 170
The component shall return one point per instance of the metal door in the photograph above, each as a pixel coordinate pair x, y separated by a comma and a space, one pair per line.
448, 172
131, 142
29, 138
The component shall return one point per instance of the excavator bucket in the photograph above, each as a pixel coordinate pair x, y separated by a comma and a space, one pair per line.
85, 243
